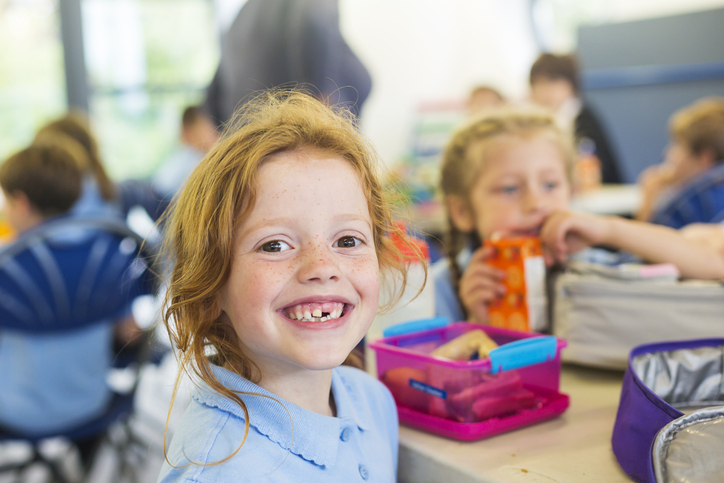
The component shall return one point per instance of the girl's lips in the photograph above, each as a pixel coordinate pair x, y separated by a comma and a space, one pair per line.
534, 232
318, 299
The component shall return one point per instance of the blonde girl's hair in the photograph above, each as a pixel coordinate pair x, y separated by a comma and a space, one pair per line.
700, 126
218, 197
464, 159
76, 125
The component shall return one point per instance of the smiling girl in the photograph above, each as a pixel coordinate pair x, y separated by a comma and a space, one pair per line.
278, 242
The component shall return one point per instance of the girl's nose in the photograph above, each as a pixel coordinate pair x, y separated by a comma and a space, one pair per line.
534, 201
318, 265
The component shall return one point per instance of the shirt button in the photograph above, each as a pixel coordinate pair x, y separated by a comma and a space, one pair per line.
363, 472
346, 433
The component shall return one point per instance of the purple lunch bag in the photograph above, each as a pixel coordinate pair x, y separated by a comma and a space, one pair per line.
670, 421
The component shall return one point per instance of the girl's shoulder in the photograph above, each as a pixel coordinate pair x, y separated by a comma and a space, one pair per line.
207, 435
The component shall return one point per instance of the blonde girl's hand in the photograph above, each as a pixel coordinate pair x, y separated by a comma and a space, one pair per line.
710, 235
566, 232
481, 285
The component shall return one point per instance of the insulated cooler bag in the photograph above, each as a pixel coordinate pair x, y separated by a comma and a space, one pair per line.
670, 422
603, 312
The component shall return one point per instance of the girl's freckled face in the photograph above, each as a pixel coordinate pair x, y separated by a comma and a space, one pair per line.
308, 237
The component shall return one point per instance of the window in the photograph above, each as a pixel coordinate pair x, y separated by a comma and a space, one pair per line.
32, 81
146, 61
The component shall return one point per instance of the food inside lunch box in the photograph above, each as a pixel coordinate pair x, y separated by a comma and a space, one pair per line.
468, 396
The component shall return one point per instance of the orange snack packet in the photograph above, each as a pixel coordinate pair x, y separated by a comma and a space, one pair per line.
524, 306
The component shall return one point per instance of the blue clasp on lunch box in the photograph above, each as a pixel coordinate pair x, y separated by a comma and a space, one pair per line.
523, 352
415, 326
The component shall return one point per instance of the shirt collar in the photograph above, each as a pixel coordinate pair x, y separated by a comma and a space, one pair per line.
463, 258
312, 436
348, 401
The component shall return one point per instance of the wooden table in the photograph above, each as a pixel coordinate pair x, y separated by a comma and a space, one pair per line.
575, 447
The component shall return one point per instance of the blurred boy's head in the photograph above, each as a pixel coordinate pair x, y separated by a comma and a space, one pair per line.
483, 98
553, 80
197, 129
696, 138
41, 181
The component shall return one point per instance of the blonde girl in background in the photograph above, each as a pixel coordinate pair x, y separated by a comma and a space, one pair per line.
507, 174
278, 241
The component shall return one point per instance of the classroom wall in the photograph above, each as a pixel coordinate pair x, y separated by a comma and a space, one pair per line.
425, 50
636, 74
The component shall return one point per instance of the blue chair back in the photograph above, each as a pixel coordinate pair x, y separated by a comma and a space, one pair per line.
72, 272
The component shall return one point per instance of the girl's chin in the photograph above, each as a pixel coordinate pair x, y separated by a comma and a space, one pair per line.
325, 364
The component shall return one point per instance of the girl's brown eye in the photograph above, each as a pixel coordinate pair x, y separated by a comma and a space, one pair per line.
274, 246
348, 242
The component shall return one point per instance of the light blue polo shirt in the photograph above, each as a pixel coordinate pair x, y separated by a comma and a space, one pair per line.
360, 444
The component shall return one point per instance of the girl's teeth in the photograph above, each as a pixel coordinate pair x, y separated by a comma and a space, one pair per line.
316, 312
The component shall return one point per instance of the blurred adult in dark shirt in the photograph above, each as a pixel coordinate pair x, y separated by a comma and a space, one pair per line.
275, 43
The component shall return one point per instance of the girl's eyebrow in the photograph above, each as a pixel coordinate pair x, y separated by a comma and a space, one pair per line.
549, 170
266, 222
288, 221
353, 217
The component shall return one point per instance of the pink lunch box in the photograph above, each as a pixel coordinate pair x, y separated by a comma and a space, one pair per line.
516, 386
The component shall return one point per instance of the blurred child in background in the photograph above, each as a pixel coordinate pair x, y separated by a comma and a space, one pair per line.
483, 98
99, 197
555, 85
507, 174
198, 136
42, 181
688, 187
39, 394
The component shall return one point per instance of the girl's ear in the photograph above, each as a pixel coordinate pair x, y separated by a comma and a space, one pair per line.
460, 213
